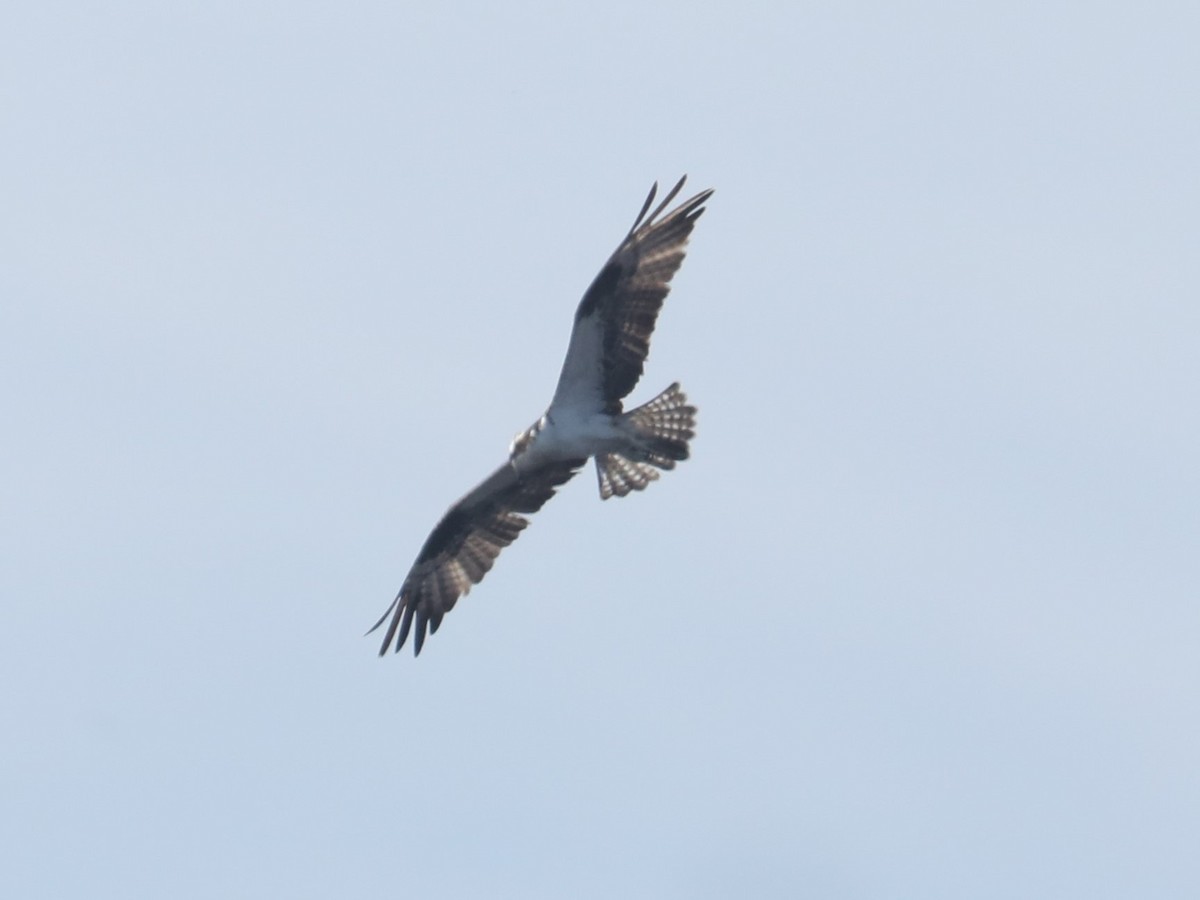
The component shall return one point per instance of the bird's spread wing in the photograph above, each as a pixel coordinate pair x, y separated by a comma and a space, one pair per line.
616, 317
465, 544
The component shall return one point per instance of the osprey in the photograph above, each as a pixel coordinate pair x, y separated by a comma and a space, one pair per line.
608, 348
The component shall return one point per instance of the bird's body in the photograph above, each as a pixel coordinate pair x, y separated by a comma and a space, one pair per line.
605, 356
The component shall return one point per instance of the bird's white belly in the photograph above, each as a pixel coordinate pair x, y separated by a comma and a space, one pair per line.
572, 437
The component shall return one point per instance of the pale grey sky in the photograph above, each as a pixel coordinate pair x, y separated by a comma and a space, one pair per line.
918, 619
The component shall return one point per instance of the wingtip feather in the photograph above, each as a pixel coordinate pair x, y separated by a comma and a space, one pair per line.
645, 206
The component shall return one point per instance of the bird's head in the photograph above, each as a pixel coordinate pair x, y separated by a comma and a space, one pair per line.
524, 439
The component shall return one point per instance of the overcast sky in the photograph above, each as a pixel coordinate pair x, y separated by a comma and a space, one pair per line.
919, 619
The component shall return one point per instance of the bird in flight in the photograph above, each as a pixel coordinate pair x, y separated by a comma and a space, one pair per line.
605, 356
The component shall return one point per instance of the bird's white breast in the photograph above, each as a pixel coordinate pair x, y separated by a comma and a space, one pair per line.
570, 435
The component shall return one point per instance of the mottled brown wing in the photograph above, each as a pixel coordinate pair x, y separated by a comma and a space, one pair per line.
616, 318
464, 545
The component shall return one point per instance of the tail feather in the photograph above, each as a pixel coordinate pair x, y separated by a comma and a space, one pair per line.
662, 429
618, 475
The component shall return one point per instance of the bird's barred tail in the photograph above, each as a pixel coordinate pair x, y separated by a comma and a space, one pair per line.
663, 428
